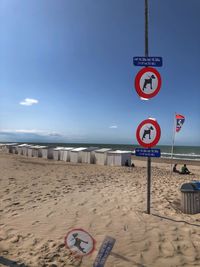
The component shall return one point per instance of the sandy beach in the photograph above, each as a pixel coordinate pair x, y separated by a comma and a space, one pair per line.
41, 200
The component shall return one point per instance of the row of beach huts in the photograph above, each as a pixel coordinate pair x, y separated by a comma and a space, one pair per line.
91, 155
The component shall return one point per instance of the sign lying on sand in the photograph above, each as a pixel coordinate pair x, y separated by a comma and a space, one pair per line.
148, 61
148, 133
148, 82
80, 242
104, 251
147, 152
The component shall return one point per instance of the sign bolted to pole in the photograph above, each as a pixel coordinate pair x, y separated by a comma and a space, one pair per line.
147, 152
148, 82
148, 61
148, 135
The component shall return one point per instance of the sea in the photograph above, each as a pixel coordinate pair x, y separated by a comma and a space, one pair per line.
180, 152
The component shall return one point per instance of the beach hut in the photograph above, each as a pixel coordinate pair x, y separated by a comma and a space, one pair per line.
37, 151
25, 150
1, 146
76, 154
47, 152
88, 155
20, 148
57, 152
9, 148
65, 153
119, 158
101, 156
30, 151
14, 149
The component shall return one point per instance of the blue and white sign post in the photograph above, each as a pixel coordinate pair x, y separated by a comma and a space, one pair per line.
148, 135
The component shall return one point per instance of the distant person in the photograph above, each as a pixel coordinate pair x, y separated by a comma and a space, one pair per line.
132, 165
175, 169
184, 170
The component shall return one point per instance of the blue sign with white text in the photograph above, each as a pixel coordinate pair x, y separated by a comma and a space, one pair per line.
147, 152
148, 61
104, 251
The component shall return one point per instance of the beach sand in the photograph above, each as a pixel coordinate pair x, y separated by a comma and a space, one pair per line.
41, 200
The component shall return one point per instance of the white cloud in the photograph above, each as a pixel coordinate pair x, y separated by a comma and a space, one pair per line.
28, 102
113, 127
31, 131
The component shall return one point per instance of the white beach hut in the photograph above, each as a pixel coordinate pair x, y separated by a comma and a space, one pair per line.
9, 148
101, 156
57, 152
2, 146
119, 158
25, 150
37, 151
20, 149
30, 151
76, 154
65, 153
14, 149
88, 155
47, 152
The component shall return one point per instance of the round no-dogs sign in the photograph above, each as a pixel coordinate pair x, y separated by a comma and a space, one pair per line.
80, 242
148, 82
148, 133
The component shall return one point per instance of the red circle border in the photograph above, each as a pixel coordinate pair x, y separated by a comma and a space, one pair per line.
158, 133
137, 82
79, 229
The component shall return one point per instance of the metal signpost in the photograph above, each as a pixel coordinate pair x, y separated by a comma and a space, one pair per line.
148, 135
147, 85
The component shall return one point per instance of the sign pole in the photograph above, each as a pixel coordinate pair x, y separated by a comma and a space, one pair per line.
146, 30
148, 185
148, 158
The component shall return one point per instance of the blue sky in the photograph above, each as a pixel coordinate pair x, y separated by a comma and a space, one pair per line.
66, 71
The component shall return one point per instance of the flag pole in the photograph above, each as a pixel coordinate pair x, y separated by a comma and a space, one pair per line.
173, 141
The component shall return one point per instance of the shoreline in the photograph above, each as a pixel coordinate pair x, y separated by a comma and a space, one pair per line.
168, 161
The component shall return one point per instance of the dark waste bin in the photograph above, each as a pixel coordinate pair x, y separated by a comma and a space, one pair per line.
190, 197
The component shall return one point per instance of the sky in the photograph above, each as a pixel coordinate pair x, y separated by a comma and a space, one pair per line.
67, 73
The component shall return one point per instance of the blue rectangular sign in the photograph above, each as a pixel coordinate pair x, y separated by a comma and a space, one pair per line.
148, 61
104, 251
147, 152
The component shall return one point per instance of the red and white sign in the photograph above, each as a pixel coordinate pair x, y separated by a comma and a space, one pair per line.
148, 82
148, 133
80, 242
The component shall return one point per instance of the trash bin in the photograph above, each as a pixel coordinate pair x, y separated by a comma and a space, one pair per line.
190, 197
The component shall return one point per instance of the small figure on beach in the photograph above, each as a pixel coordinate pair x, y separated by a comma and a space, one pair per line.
78, 242
175, 169
184, 170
